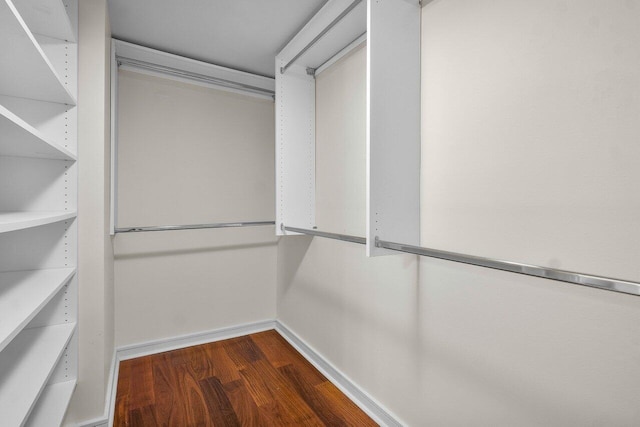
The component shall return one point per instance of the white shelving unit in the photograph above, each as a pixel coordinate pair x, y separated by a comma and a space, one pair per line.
18, 138
25, 293
30, 361
27, 71
38, 203
392, 31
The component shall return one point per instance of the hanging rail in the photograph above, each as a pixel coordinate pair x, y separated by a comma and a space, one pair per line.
616, 285
193, 226
606, 283
320, 35
192, 76
336, 236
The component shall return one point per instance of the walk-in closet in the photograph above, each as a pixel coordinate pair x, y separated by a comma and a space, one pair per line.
319, 212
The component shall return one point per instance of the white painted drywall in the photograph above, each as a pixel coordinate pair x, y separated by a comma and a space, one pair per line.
95, 250
189, 155
530, 132
444, 344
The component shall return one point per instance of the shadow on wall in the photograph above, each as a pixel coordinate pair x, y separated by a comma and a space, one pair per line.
191, 251
340, 302
291, 252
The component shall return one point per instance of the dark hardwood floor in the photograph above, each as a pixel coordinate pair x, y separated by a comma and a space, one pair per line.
255, 380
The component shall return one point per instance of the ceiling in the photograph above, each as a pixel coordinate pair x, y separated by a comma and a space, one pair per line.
241, 34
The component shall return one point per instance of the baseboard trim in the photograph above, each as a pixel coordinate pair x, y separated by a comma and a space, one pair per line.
96, 422
174, 343
368, 404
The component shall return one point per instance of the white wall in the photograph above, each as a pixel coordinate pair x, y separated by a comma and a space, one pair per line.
530, 130
440, 343
188, 155
95, 254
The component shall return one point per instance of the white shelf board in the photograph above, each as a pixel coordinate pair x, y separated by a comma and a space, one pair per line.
344, 32
47, 17
11, 221
52, 405
18, 138
26, 70
25, 367
23, 294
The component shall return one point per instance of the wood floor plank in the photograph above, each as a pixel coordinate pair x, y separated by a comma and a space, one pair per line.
348, 410
255, 380
141, 417
243, 404
274, 388
280, 353
141, 391
243, 351
191, 397
201, 363
169, 411
121, 413
222, 367
220, 408
321, 406
275, 348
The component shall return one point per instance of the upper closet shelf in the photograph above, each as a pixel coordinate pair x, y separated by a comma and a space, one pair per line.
25, 367
23, 294
12, 221
26, 70
18, 138
47, 17
338, 24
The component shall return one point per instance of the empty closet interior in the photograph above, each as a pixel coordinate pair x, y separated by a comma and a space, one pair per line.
435, 202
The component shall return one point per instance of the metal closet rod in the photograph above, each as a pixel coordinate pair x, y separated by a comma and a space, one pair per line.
193, 76
193, 226
319, 36
606, 283
336, 236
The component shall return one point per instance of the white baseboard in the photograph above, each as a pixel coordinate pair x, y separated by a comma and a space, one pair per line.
174, 343
369, 405
96, 422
